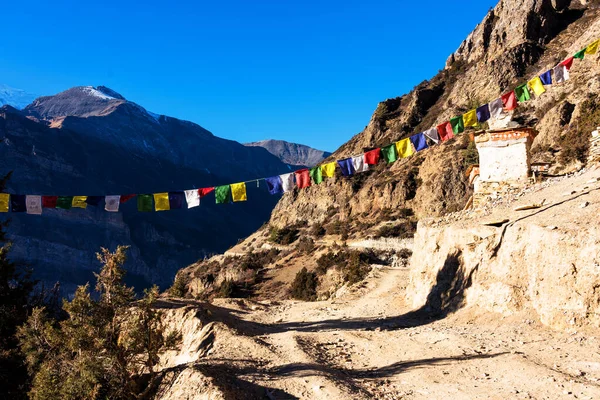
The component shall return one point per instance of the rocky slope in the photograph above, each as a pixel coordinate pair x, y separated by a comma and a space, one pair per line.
292, 153
92, 141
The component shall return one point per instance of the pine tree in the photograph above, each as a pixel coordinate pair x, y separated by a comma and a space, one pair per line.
104, 347
15, 289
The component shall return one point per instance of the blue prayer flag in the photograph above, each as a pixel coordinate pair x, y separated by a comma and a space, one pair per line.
274, 184
176, 200
546, 77
419, 141
18, 203
483, 113
94, 200
346, 166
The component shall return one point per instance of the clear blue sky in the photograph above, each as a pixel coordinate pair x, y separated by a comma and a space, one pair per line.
307, 71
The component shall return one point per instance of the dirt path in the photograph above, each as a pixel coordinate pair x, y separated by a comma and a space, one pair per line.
370, 345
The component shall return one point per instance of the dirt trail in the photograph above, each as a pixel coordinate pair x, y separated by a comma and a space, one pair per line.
370, 344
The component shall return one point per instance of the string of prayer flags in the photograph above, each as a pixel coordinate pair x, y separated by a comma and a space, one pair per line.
359, 164
144, 202
33, 204
176, 200
470, 118
94, 200
161, 201
4, 202
568, 63
111, 203
592, 47
433, 135
238, 192
419, 141
49, 201
522, 93
561, 73
274, 185
17, 203
79, 202
445, 131
328, 170
404, 148
192, 198
496, 108
389, 153
509, 100
64, 202
346, 166
580, 54
302, 178
287, 182
537, 86
546, 77
372, 156
483, 113
316, 174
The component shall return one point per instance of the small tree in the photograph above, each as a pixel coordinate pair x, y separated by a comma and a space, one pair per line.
304, 286
104, 347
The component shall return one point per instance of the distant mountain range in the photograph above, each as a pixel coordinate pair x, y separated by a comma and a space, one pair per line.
92, 141
17, 98
292, 153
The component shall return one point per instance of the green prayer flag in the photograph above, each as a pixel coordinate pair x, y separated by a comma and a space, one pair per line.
522, 93
145, 202
389, 153
316, 174
64, 202
458, 125
580, 54
223, 194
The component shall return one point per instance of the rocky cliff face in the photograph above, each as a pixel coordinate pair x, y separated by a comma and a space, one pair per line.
517, 40
91, 141
292, 153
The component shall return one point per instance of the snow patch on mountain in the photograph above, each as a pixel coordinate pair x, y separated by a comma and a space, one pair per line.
97, 93
17, 98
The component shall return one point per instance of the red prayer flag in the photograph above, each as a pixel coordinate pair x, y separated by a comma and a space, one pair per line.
445, 131
372, 157
204, 191
302, 178
49, 201
126, 197
568, 63
509, 100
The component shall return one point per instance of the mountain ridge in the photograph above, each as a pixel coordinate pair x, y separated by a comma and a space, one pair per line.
293, 154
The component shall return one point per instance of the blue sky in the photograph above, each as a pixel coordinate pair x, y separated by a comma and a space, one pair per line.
310, 72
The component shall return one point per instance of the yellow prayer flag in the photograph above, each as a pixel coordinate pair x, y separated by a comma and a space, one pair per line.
238, 191
537, 86
328, 170
404, 148
592, 48
161, 201
4, 201
79, 202
470, 118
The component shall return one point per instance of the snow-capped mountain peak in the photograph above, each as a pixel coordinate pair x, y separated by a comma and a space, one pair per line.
17, 98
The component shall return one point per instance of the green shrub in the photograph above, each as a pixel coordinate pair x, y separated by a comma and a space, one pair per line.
227, 289
354, 265
402, 230
306, 245
179, 288
304, 286
317, 230
283, 236
576, 141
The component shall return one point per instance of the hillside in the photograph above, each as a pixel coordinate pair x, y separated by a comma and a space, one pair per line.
17, 98
292, 153
399, 293
93, 141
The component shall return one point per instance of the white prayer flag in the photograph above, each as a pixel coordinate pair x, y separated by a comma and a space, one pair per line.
433, 135
287, 182
561, 74
34, 204
112, 203
496, 108
359, 164
192, 197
